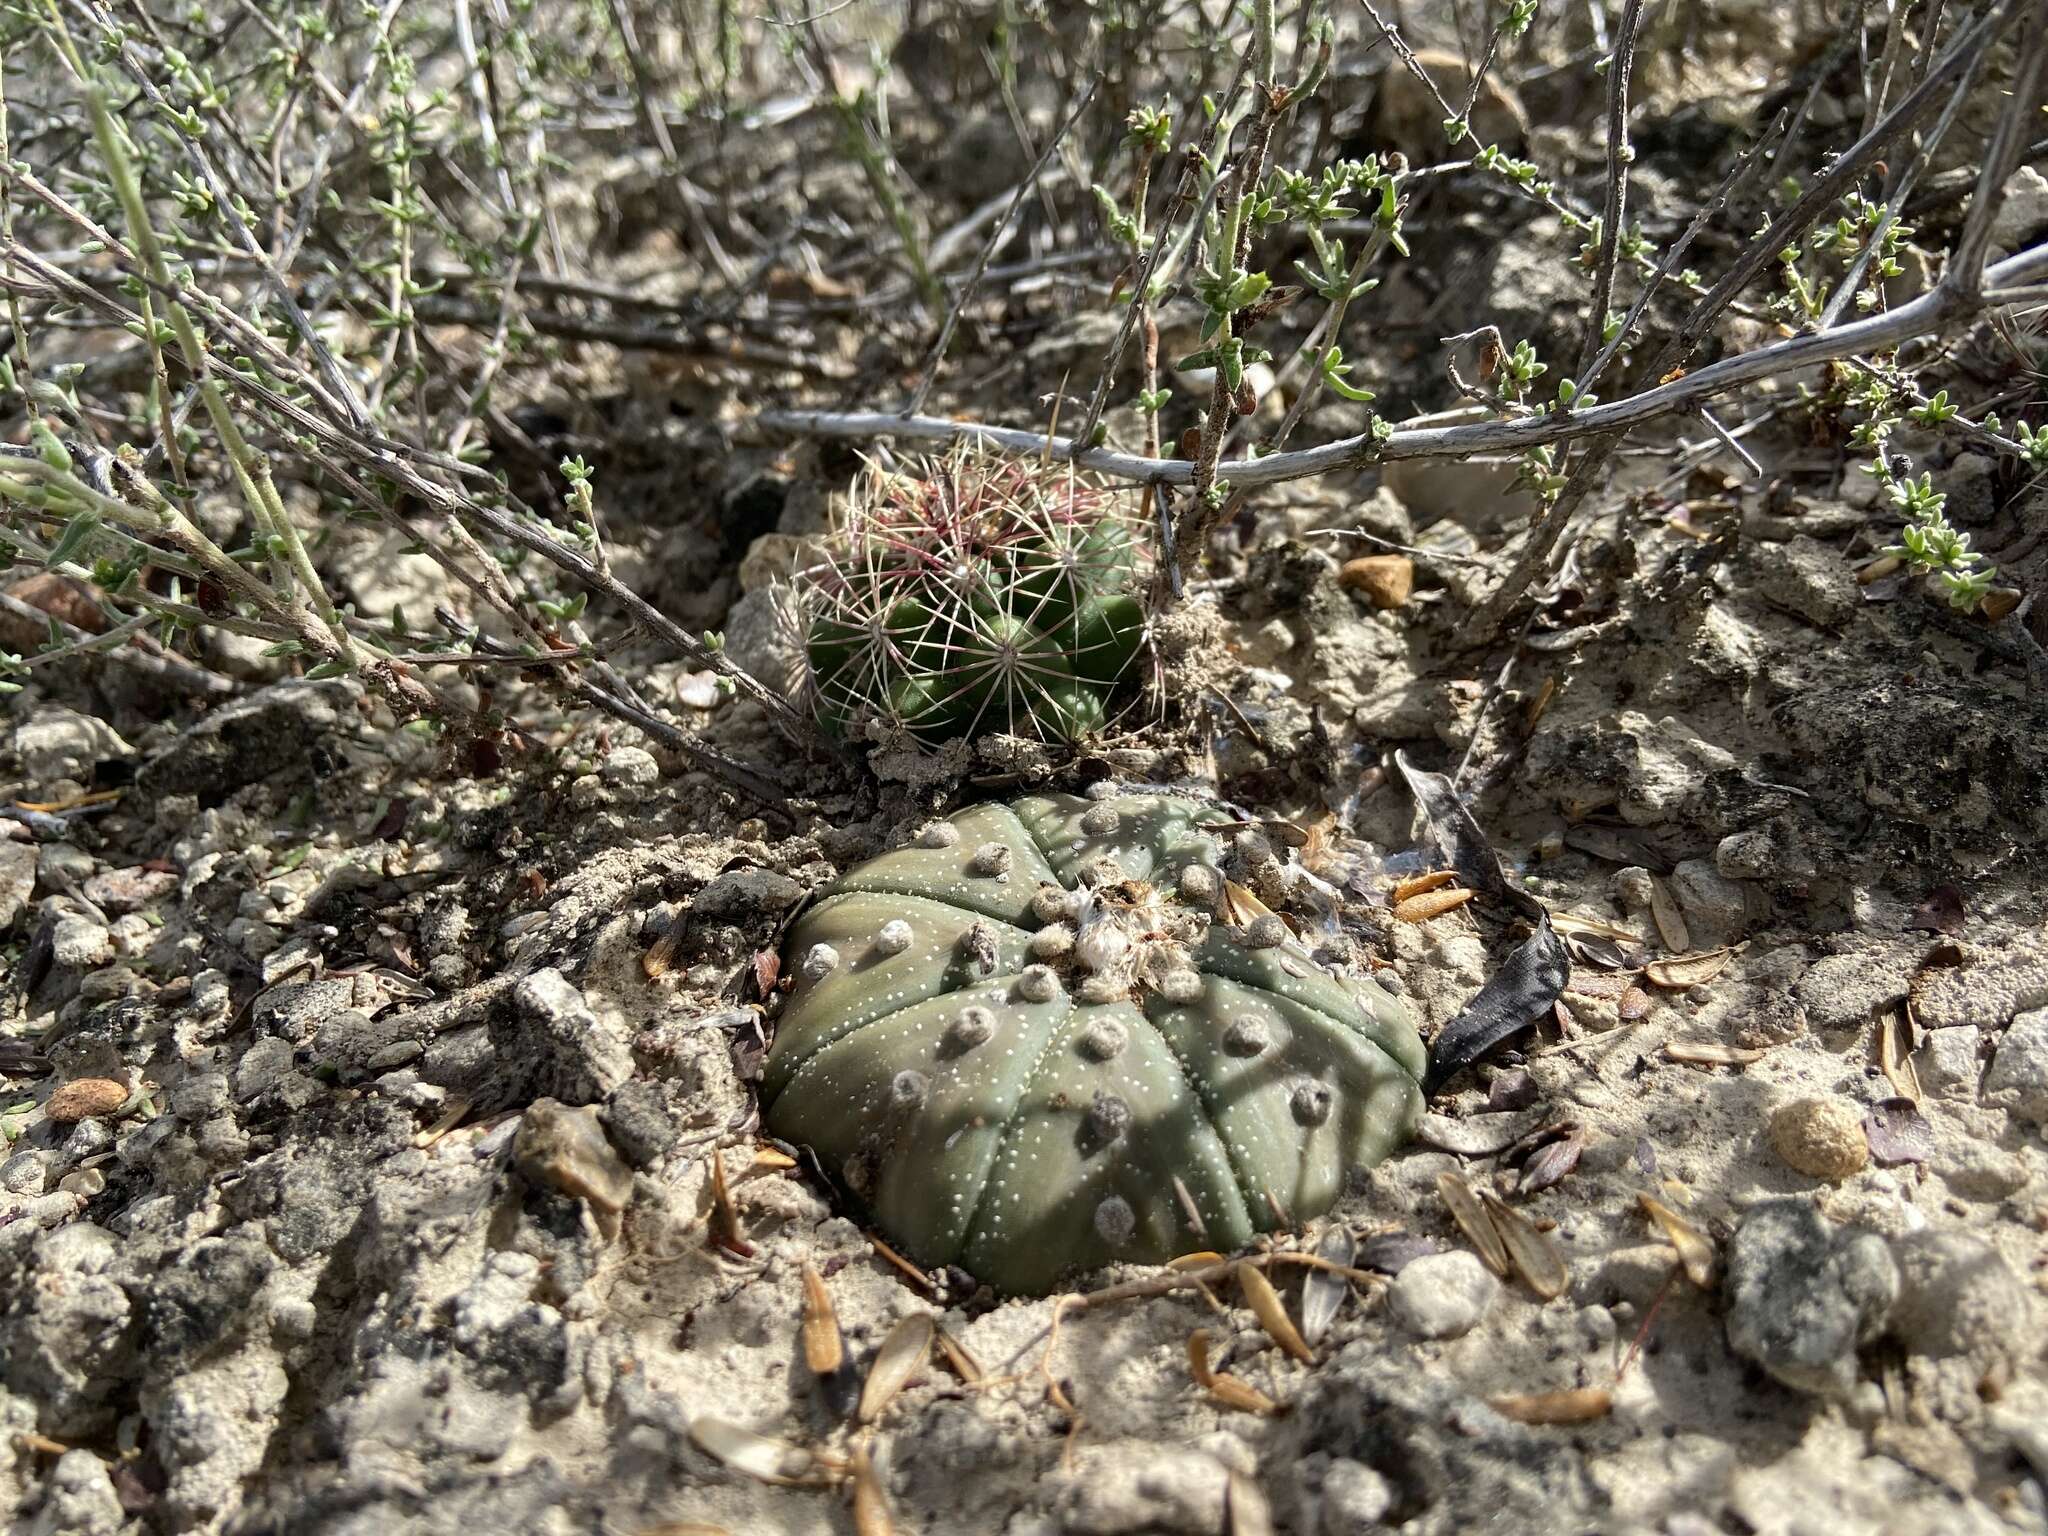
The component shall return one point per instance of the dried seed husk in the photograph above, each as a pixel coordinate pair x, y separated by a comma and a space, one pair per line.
1878, 569
771, 1157
659, 957
964, 1365
871, 1515
764, 1459
1238, 906
1271, 1312
1323, 1293
1391, 1252
1895, 1054
1711, 1053
1420, 885
1634, 1004
726, 1231
1203, 1260
1534, 1254
1576, 925
1695, 1248
1549, 1163
1227, 1390
1598, 986
1670, 924
1250, 1515
1685, 971
1574, 1405
1604, 953
824, 1345
1509, 1090
902, 1355
452, 1114
1471, 1216
1420, 909
1999, 602
1479, 1135
1898, 1133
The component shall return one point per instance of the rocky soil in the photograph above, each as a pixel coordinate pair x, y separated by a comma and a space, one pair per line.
365, 1109
380, 1147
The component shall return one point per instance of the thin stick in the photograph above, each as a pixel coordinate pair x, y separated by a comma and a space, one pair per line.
937, 355
1621, 61
1932, 311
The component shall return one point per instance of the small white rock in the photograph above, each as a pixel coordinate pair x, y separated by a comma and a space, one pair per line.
819, 961
894, 937
1442, 1295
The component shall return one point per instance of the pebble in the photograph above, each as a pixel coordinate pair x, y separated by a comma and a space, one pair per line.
1819, 1137
78, 943
1987, 993
1802, 1296
566, 1149
2018, 1079
1959, 1298
1442, 1296
630, 771
17, 881
1948, 1065
22, 1174
85, 1098
1356, 1498
1842, 991
120, 891
1387, 581
1716, 908
1976, 1170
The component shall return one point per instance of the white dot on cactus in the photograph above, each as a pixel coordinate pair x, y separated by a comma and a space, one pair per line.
1038, 984
1104, 1040
894, 937
1265, 931
819, 961
1246, 1036
940, 834
992, 859
1052, 941
1310, 1102
1181, 987
1115, 1221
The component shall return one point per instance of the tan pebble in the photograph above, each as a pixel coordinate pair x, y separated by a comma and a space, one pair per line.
1819, 1137
85, 1098
1386, 580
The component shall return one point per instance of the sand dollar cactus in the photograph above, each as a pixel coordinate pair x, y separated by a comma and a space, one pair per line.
990, 595
1027, 1045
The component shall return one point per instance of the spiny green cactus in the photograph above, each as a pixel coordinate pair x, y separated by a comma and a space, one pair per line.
992, 595
1029, 1046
